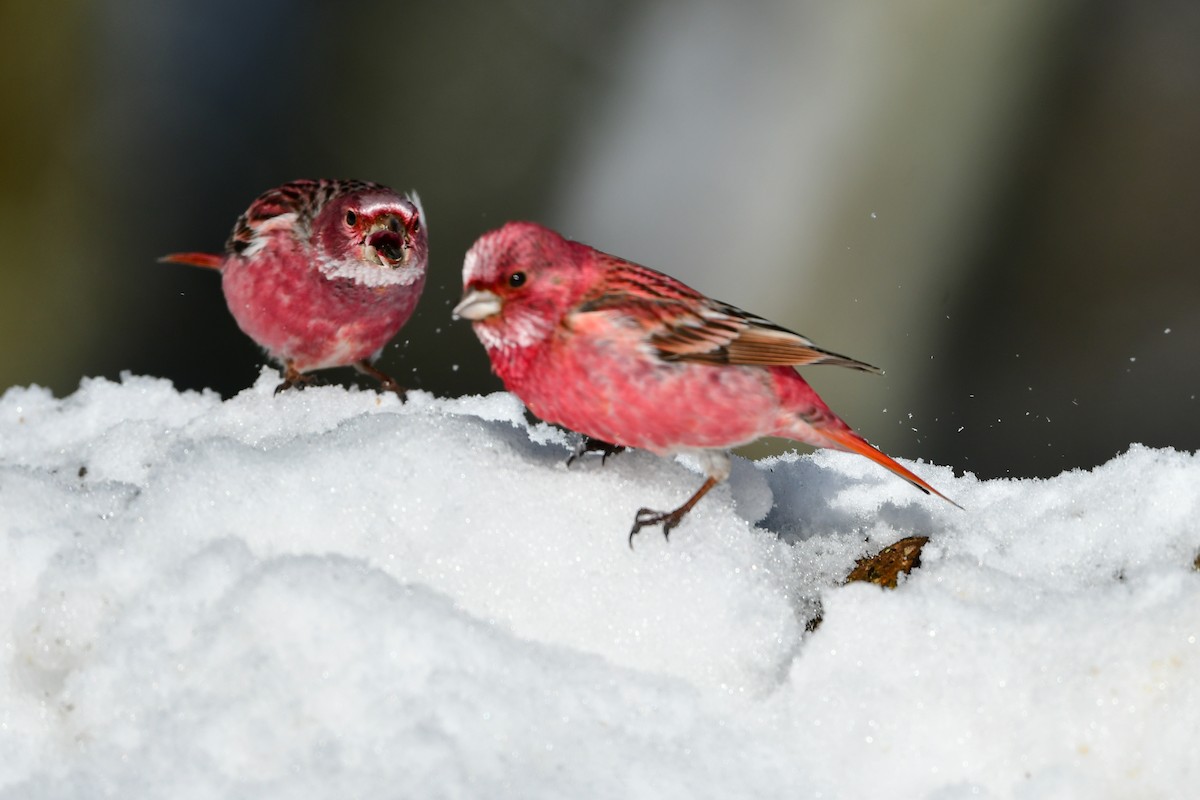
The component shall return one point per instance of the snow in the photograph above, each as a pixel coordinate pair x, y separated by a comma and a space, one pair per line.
330, 593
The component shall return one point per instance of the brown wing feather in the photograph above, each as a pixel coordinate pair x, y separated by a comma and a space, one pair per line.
770, 347
684, 325
723, 334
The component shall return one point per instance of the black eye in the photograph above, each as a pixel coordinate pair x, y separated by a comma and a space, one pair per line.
394, 225
351, 218
517, 279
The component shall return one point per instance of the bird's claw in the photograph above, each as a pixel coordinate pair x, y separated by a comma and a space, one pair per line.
648, 517
590, 445
391, 386
294, 379
386, 382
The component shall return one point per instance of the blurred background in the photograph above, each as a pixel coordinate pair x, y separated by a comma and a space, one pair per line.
998, 203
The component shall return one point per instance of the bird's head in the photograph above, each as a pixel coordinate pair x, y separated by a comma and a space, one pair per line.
372, 236
519, 281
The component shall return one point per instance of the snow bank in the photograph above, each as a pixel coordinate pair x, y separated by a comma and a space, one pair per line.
327, 593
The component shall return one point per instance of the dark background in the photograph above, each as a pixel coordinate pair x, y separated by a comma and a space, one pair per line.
997, 203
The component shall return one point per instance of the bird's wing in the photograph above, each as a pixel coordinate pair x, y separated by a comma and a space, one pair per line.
289, 208
684, 325
722, 334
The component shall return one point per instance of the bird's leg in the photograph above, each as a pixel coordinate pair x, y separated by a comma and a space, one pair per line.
590, 445
668, 519
293, 377
716, 464
385, 381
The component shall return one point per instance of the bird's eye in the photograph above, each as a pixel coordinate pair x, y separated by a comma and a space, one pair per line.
516, 280
351, 218
416, 224
394, 225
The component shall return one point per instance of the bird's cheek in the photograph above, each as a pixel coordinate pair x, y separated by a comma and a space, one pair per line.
491, 334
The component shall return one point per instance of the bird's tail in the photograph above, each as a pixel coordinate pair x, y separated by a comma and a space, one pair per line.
846, 439
207, 260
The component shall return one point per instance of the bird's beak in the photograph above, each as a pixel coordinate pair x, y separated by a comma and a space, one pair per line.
478, 304
387, 242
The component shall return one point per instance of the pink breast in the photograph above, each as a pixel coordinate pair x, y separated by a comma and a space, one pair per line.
644, 402
298, 315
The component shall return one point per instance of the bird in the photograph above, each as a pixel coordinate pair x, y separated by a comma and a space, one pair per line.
323, 273
629, 356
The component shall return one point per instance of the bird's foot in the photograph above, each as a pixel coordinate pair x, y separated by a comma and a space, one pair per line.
386, 382
590, 445
295, 379
648, 518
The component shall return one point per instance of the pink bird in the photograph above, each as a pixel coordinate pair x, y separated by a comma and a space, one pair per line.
323, 273
627, 355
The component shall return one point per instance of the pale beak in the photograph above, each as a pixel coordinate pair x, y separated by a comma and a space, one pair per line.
478, 304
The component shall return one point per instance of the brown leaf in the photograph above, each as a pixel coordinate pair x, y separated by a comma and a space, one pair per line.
884, 568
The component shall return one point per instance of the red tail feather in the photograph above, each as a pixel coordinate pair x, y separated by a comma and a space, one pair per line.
208, 260
851, 441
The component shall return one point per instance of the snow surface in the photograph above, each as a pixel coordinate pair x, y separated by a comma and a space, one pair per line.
330, 594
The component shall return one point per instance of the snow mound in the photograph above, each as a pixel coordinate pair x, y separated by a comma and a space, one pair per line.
330, 593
